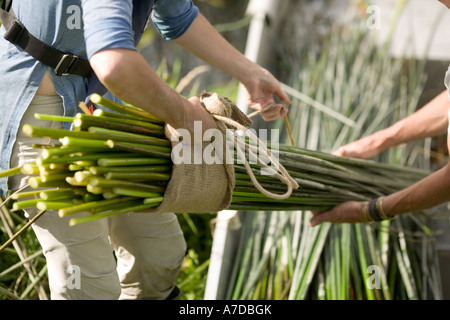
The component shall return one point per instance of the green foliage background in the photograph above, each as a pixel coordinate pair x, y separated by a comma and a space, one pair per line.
17, 282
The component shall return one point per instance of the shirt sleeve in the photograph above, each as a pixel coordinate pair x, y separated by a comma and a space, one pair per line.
173, 17
107, 25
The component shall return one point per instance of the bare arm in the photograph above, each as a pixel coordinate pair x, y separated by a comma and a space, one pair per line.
424, 194
429, 121
205, 42
427, 193
129, 77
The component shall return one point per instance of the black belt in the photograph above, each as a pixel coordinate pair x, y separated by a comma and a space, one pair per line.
64, 63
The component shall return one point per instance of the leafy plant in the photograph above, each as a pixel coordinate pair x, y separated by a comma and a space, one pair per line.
279, 255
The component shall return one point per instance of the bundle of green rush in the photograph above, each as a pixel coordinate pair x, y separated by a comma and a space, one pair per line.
111, 163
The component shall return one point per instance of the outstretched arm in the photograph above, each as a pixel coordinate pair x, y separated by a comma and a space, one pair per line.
126, 73
205, 42
426, 193
429, 121
111, 50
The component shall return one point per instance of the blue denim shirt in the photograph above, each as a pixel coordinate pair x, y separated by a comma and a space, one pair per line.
81, 27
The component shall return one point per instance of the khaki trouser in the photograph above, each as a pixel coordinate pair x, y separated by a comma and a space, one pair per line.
149, 248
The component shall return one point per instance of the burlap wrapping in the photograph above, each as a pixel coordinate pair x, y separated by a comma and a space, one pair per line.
203, 188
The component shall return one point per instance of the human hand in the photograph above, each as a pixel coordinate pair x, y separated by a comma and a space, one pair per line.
261, 87
347, 212
193, 113
364, 148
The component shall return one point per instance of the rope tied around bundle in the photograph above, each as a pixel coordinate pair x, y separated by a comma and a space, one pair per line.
228, 115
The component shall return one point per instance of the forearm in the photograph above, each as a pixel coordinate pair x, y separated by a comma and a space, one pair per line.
128, 76
427, 193
202, 40
205, 42
429, 121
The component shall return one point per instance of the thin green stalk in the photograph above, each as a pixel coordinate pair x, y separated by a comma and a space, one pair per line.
117, 135
23, 204
404, 263
21, 251
312, 262
82, 143
110, 213
32, 168
130, 161
36, 183
85, 157
345, 262
51, 117
112, 183
93, 132
58, 151
192, 275
9, 294
363, 261
120, 115
97, 170
25, 194
148, 150
52, 177
234, 285
135, 193
272, 236
83, 124
53, 133
91, 205
376, 259
11, 172
104, 119
358, 283
53, 205
34, 282
21, 263
98, 99
247, 250
155, 199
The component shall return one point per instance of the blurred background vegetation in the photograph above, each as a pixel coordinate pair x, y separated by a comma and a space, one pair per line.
22, 265
23, 271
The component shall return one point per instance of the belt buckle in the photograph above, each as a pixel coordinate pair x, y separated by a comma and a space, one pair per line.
73, 58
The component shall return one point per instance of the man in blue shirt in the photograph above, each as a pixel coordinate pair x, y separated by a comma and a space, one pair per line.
149, 248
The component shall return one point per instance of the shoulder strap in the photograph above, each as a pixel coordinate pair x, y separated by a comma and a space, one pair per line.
16, 33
